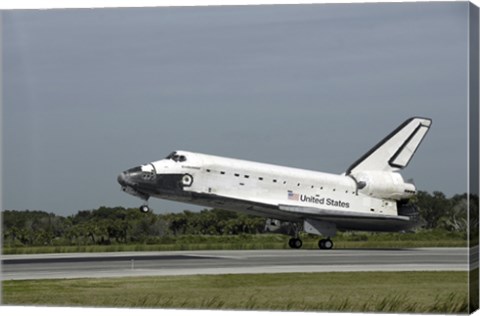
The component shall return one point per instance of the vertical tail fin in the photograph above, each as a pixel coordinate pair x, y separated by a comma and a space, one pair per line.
396, 150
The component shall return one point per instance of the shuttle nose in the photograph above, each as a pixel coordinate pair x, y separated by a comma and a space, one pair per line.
122, 179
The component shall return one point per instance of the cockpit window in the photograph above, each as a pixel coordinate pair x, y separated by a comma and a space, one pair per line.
136, 169
176, 157
171, 155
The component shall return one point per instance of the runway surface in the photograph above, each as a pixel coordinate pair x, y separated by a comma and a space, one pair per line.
101, 265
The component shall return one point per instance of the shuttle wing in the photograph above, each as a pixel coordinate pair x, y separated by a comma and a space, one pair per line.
313, 212
396, 150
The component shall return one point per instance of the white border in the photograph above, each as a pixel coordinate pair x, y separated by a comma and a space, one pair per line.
70, 4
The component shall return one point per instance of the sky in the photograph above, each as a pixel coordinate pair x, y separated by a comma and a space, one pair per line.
88, 93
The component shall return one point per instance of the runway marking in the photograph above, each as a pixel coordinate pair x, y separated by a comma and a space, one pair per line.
235, 270
99, 265
103, 259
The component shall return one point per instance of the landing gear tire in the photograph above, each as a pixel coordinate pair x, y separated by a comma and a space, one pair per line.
144, 209
325, 244
295, 243
321, 244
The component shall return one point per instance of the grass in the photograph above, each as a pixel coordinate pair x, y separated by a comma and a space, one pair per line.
412, 292
262, 241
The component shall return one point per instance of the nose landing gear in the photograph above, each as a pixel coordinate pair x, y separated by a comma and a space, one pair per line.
144, 208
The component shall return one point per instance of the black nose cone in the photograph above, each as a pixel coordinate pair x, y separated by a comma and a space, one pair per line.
122, 179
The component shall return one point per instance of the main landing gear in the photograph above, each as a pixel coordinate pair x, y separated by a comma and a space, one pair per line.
325, 244
296, 243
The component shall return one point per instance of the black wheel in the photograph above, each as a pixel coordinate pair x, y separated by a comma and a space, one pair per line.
295, 243
144, 209
325, 244
298, 243
328, 244
321, 244
290, 242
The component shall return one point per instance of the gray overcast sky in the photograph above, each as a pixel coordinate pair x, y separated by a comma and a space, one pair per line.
90, 93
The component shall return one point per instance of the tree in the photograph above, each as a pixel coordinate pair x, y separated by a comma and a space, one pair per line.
432, 207
118, 225
456, 217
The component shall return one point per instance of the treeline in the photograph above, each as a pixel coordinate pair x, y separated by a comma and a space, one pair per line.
119, 225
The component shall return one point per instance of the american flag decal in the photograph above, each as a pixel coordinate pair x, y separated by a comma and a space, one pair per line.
293, 196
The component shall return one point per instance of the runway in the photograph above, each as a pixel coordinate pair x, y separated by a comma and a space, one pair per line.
102, 265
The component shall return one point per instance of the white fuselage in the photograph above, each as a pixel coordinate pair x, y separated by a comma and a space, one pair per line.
371, 195
267, 184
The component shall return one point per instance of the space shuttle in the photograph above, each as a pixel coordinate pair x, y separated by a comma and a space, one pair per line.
371, 195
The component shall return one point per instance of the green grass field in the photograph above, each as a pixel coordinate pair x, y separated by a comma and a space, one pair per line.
413, 292
263, 241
